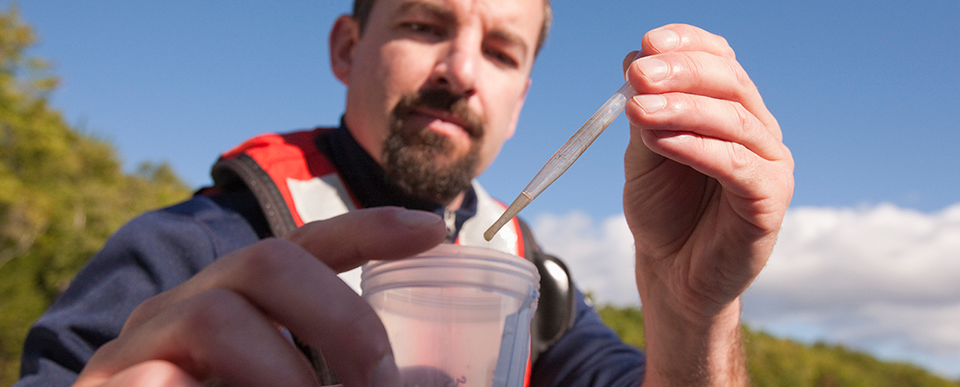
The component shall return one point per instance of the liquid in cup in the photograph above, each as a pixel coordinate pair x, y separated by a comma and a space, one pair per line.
456, 316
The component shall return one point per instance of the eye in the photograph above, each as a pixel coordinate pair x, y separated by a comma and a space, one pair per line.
502, 58
422, 28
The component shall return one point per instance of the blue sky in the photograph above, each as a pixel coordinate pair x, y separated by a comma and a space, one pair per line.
867, 94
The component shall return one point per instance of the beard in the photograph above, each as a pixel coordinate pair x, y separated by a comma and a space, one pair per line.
420, 161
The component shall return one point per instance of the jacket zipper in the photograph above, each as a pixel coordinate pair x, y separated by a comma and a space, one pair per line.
450, 219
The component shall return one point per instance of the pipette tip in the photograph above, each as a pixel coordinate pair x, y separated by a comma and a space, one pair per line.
518, 204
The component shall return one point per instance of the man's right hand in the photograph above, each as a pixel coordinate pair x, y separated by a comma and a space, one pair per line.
224, 323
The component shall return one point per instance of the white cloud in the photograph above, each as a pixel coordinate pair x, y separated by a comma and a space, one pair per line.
600, 257
882, 279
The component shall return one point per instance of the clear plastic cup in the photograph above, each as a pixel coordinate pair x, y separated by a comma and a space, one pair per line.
455, 315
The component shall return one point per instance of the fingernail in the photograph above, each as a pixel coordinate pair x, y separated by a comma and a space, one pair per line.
663, 39
654, 69
386, 373
651, 103
414, 218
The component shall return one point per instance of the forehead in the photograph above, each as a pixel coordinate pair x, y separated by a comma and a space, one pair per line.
522, 18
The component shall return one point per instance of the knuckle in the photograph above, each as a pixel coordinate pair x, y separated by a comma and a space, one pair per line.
270, 245
739, 74
363, 322
745, 168
725, 49
360, 339
142, 312
684, 103
269, 258
207, 314
741, 159
743, 119
360, 319
691, 65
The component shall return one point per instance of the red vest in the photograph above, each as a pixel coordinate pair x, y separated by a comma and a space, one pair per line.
295, 183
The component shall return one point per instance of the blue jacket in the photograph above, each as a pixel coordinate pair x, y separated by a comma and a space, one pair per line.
159, 250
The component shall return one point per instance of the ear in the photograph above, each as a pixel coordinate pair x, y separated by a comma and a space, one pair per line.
343, 39
516, 113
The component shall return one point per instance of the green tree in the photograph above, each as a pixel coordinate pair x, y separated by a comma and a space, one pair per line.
62, 192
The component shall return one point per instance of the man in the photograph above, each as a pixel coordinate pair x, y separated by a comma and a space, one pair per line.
434, 89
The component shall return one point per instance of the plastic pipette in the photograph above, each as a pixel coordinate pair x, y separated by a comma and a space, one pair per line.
566, 155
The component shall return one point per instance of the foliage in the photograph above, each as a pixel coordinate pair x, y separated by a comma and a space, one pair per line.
779, 362
62, 192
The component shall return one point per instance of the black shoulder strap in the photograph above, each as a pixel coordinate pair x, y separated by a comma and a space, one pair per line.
244, 170
556, 310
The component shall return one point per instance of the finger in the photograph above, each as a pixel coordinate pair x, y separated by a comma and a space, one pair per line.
286, 283
627, 60
154, 373
753, 187
294, 288
700, 73
716, 138
684, 37
217, 333
384, 233
343, 242
308, 298
708, 117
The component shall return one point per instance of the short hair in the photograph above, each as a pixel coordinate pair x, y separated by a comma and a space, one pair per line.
362, 8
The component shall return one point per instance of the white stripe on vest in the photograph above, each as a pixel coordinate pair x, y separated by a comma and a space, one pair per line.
324, 197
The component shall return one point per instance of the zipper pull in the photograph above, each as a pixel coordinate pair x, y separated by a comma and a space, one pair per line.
450, 220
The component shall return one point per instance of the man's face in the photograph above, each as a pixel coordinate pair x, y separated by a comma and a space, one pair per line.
435, 87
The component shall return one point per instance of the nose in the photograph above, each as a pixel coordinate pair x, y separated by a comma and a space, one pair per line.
457, 67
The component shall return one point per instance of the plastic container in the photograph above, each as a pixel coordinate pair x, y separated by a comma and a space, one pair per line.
456, 315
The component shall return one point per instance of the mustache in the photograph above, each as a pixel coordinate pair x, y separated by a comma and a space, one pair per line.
442, 100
